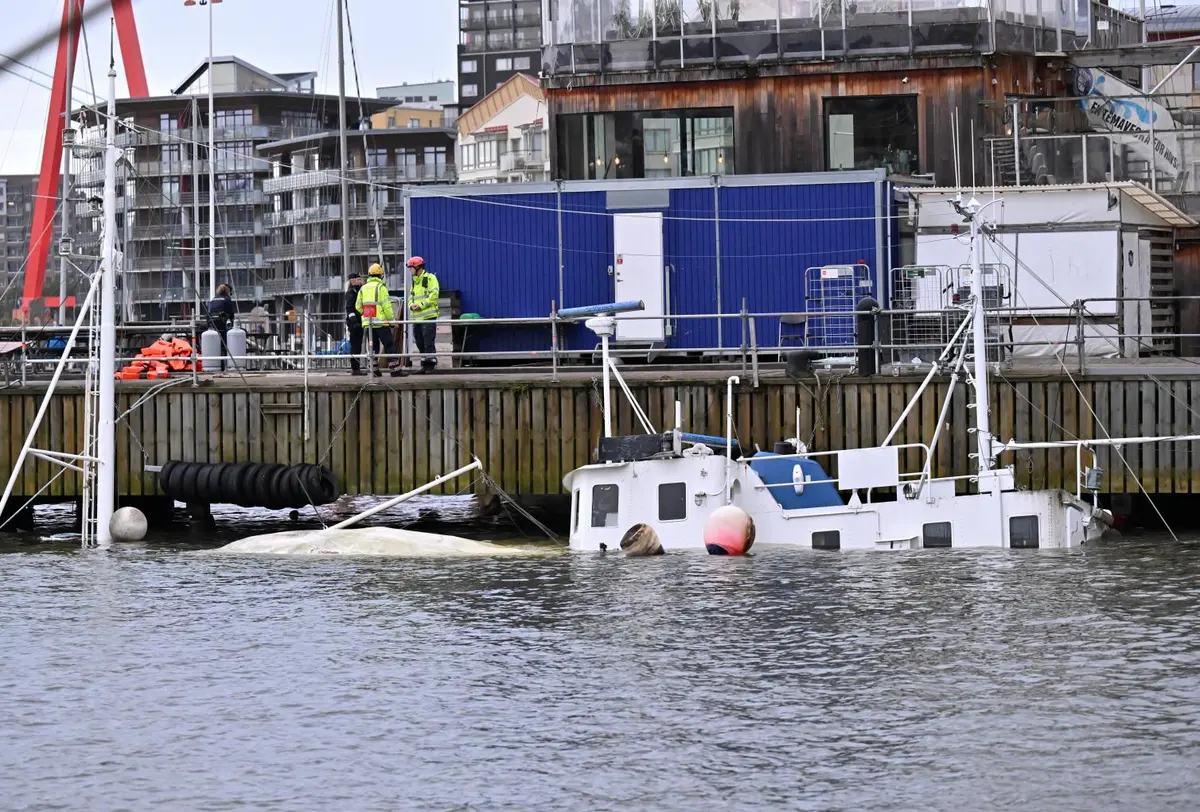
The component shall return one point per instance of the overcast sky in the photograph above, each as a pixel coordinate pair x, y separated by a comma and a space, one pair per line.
396, 41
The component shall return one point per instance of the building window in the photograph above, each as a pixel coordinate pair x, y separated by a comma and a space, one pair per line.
406, 159
435, 162
468, 66
470, 91
606, 500
168, 123
650, 144
295, 120
672, 502
377, 157
521, 63
170, 191
229, 119
870, 132
489, 152
504, 63
414, 123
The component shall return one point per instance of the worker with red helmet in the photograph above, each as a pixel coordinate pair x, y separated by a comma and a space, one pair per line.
423, 305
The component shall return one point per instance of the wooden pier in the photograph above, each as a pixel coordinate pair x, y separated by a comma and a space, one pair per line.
384, 436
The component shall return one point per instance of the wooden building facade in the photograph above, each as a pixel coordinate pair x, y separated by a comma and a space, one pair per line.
781, 119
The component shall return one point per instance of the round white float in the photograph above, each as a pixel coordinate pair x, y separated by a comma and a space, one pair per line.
128, 524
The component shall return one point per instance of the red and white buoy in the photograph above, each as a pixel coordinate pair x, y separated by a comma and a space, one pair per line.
728, 531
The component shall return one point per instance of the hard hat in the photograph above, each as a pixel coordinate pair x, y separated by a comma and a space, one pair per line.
375, 270
416, 262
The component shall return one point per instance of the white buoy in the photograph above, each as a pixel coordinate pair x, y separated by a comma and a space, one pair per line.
128, 524
728, 531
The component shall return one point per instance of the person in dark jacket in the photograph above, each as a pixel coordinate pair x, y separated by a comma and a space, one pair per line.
220, 313
354, 324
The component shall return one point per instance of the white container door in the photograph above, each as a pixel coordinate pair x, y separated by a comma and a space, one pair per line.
638, 273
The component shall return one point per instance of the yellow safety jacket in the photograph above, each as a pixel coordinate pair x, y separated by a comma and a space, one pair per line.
425, 293
374, 303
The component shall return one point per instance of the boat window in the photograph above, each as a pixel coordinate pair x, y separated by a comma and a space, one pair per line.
605, 500
827, 540
672, 501
1023, 532
936, 534
575, 511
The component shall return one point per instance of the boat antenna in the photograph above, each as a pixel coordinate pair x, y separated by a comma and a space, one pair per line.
972, 212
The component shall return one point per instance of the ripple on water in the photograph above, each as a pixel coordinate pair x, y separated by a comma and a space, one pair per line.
151, 679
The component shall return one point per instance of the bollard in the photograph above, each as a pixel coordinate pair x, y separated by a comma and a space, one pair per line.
864, 336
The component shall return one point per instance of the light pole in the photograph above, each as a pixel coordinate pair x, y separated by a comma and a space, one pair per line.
212, 157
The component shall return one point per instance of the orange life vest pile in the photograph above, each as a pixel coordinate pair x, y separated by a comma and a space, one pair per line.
159, 360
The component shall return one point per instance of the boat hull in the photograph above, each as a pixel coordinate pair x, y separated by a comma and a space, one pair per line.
609, 499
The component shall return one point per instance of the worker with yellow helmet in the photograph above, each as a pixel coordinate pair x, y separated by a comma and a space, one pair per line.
375, 306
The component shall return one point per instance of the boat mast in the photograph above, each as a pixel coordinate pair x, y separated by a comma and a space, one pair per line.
342, 147
65, 232
983, 434
106, 440
212, 169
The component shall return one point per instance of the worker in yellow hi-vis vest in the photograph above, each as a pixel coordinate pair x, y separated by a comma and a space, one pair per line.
423, 304
375, 306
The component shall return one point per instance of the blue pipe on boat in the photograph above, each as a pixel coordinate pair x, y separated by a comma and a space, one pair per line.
600, 309
704, 438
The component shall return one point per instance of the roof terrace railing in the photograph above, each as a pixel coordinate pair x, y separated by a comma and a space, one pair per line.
597, 36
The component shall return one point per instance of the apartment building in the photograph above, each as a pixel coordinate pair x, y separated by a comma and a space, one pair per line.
497, 40
304, 211
504, 138
164, 188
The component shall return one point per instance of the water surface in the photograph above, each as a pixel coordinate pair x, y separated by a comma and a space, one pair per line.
156, 678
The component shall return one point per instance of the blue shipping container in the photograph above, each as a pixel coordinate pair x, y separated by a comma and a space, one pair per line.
512, 251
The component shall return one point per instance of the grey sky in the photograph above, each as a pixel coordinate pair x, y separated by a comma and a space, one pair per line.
396, 41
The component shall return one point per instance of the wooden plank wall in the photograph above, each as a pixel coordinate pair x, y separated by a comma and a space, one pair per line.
384, 441
778, 120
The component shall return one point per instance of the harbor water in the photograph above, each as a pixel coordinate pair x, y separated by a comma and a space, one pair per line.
163, 676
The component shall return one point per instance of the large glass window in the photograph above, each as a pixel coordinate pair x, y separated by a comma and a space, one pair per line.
651, 144
377, 157
435, 162
869, 132
406, 159
228, 119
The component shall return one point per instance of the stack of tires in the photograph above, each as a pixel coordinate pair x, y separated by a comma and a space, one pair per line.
249, 484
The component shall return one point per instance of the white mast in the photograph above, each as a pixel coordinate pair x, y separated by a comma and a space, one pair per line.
212, 168
983, 434
344, 165
106, 440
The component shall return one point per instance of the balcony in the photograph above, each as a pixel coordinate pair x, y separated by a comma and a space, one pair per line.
390, 211
173, 231
299, 217
521, 160
303, 284
94, 141
390, 245
297, 181
314, 178
599, 36
302, 250
474, 21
